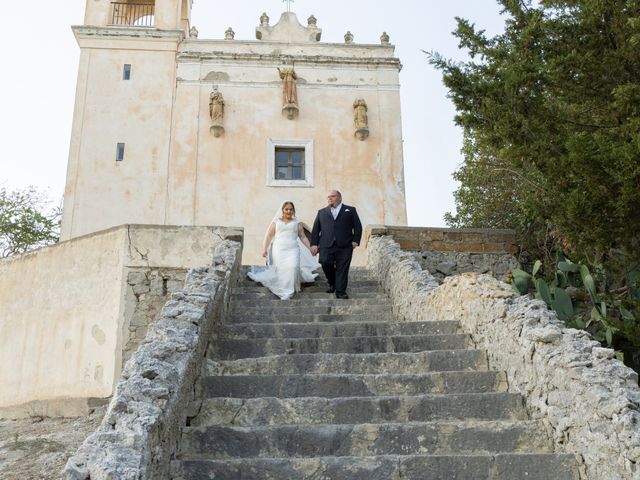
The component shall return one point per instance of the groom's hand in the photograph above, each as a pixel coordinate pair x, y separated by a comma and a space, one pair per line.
314, 250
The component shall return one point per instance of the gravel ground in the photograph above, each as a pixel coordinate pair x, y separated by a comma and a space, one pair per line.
38, 448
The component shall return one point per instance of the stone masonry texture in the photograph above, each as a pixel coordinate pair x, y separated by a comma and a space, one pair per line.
148, 290
142, 424
323, 388
589, 400
445, 252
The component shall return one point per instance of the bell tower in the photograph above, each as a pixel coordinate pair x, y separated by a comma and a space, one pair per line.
158, 14
123, 111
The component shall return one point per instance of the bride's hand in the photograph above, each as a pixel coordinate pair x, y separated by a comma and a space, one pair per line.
264, 254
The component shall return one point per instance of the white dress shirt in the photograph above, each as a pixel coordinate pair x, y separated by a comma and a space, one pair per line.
336, 210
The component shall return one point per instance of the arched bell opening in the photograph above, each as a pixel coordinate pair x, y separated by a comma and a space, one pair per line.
134, 13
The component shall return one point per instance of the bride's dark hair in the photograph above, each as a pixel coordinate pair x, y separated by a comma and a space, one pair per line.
288, 203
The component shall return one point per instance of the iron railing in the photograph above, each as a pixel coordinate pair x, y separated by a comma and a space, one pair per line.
133, 14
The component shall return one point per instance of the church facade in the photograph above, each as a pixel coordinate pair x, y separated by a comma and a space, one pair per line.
171, 129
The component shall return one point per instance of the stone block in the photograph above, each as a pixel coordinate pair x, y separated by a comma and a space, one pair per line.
495, 247
470, 247
437, 246
137, 277
157, 287
140, 288
446, 268
410, 244
430, 235
454, 236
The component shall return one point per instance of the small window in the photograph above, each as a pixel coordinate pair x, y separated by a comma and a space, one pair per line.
289, 164
120, 152
126, 72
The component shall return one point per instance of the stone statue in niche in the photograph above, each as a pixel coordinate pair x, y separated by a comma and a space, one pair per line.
360, 119
216, 112
289, 92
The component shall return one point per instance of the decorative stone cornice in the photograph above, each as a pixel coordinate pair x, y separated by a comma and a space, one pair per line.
325, 60
87, 31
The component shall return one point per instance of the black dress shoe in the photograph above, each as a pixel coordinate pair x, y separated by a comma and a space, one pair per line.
331, 289
342, 295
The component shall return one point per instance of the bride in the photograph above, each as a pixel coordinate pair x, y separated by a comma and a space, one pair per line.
289, 260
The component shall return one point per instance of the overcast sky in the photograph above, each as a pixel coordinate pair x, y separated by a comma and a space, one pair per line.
40, 63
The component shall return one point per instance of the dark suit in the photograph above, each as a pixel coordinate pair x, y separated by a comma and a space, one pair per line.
334, 238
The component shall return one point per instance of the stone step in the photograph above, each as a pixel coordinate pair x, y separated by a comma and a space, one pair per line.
324, 330
322, 283
320, 308
432, 438
260, 296
502, 466
354, 272
302, 304
232, 349
347, 385
317, 292
256, 317
368, 363
246, 412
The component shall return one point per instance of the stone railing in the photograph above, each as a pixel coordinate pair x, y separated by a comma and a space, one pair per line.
142, 425
451, 251
590, 400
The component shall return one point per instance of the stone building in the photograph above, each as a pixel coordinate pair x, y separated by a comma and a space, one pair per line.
171, 129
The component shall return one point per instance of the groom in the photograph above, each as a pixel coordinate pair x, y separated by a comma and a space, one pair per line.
336, 232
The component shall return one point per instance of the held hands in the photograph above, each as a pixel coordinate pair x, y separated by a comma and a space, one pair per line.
314, 250
353, 245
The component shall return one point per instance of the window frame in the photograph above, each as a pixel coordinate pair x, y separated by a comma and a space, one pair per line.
306, 145
290, 165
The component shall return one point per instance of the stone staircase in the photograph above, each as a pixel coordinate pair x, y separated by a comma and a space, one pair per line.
320, 388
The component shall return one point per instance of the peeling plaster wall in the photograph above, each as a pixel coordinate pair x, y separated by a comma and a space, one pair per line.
175, 172
101, 192
62, 337
223, 180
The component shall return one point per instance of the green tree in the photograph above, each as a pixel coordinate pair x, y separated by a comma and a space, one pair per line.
551, 116
550, 111
26, 221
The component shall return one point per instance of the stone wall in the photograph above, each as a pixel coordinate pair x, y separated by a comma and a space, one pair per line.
590, 400
69, 310
141, 428
448, 251
147, 291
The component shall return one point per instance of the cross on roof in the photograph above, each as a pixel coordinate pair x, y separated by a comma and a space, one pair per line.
288, 4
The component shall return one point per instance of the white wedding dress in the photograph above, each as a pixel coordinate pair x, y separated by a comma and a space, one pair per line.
290, 262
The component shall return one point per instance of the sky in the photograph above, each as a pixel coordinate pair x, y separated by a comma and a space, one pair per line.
40, 57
